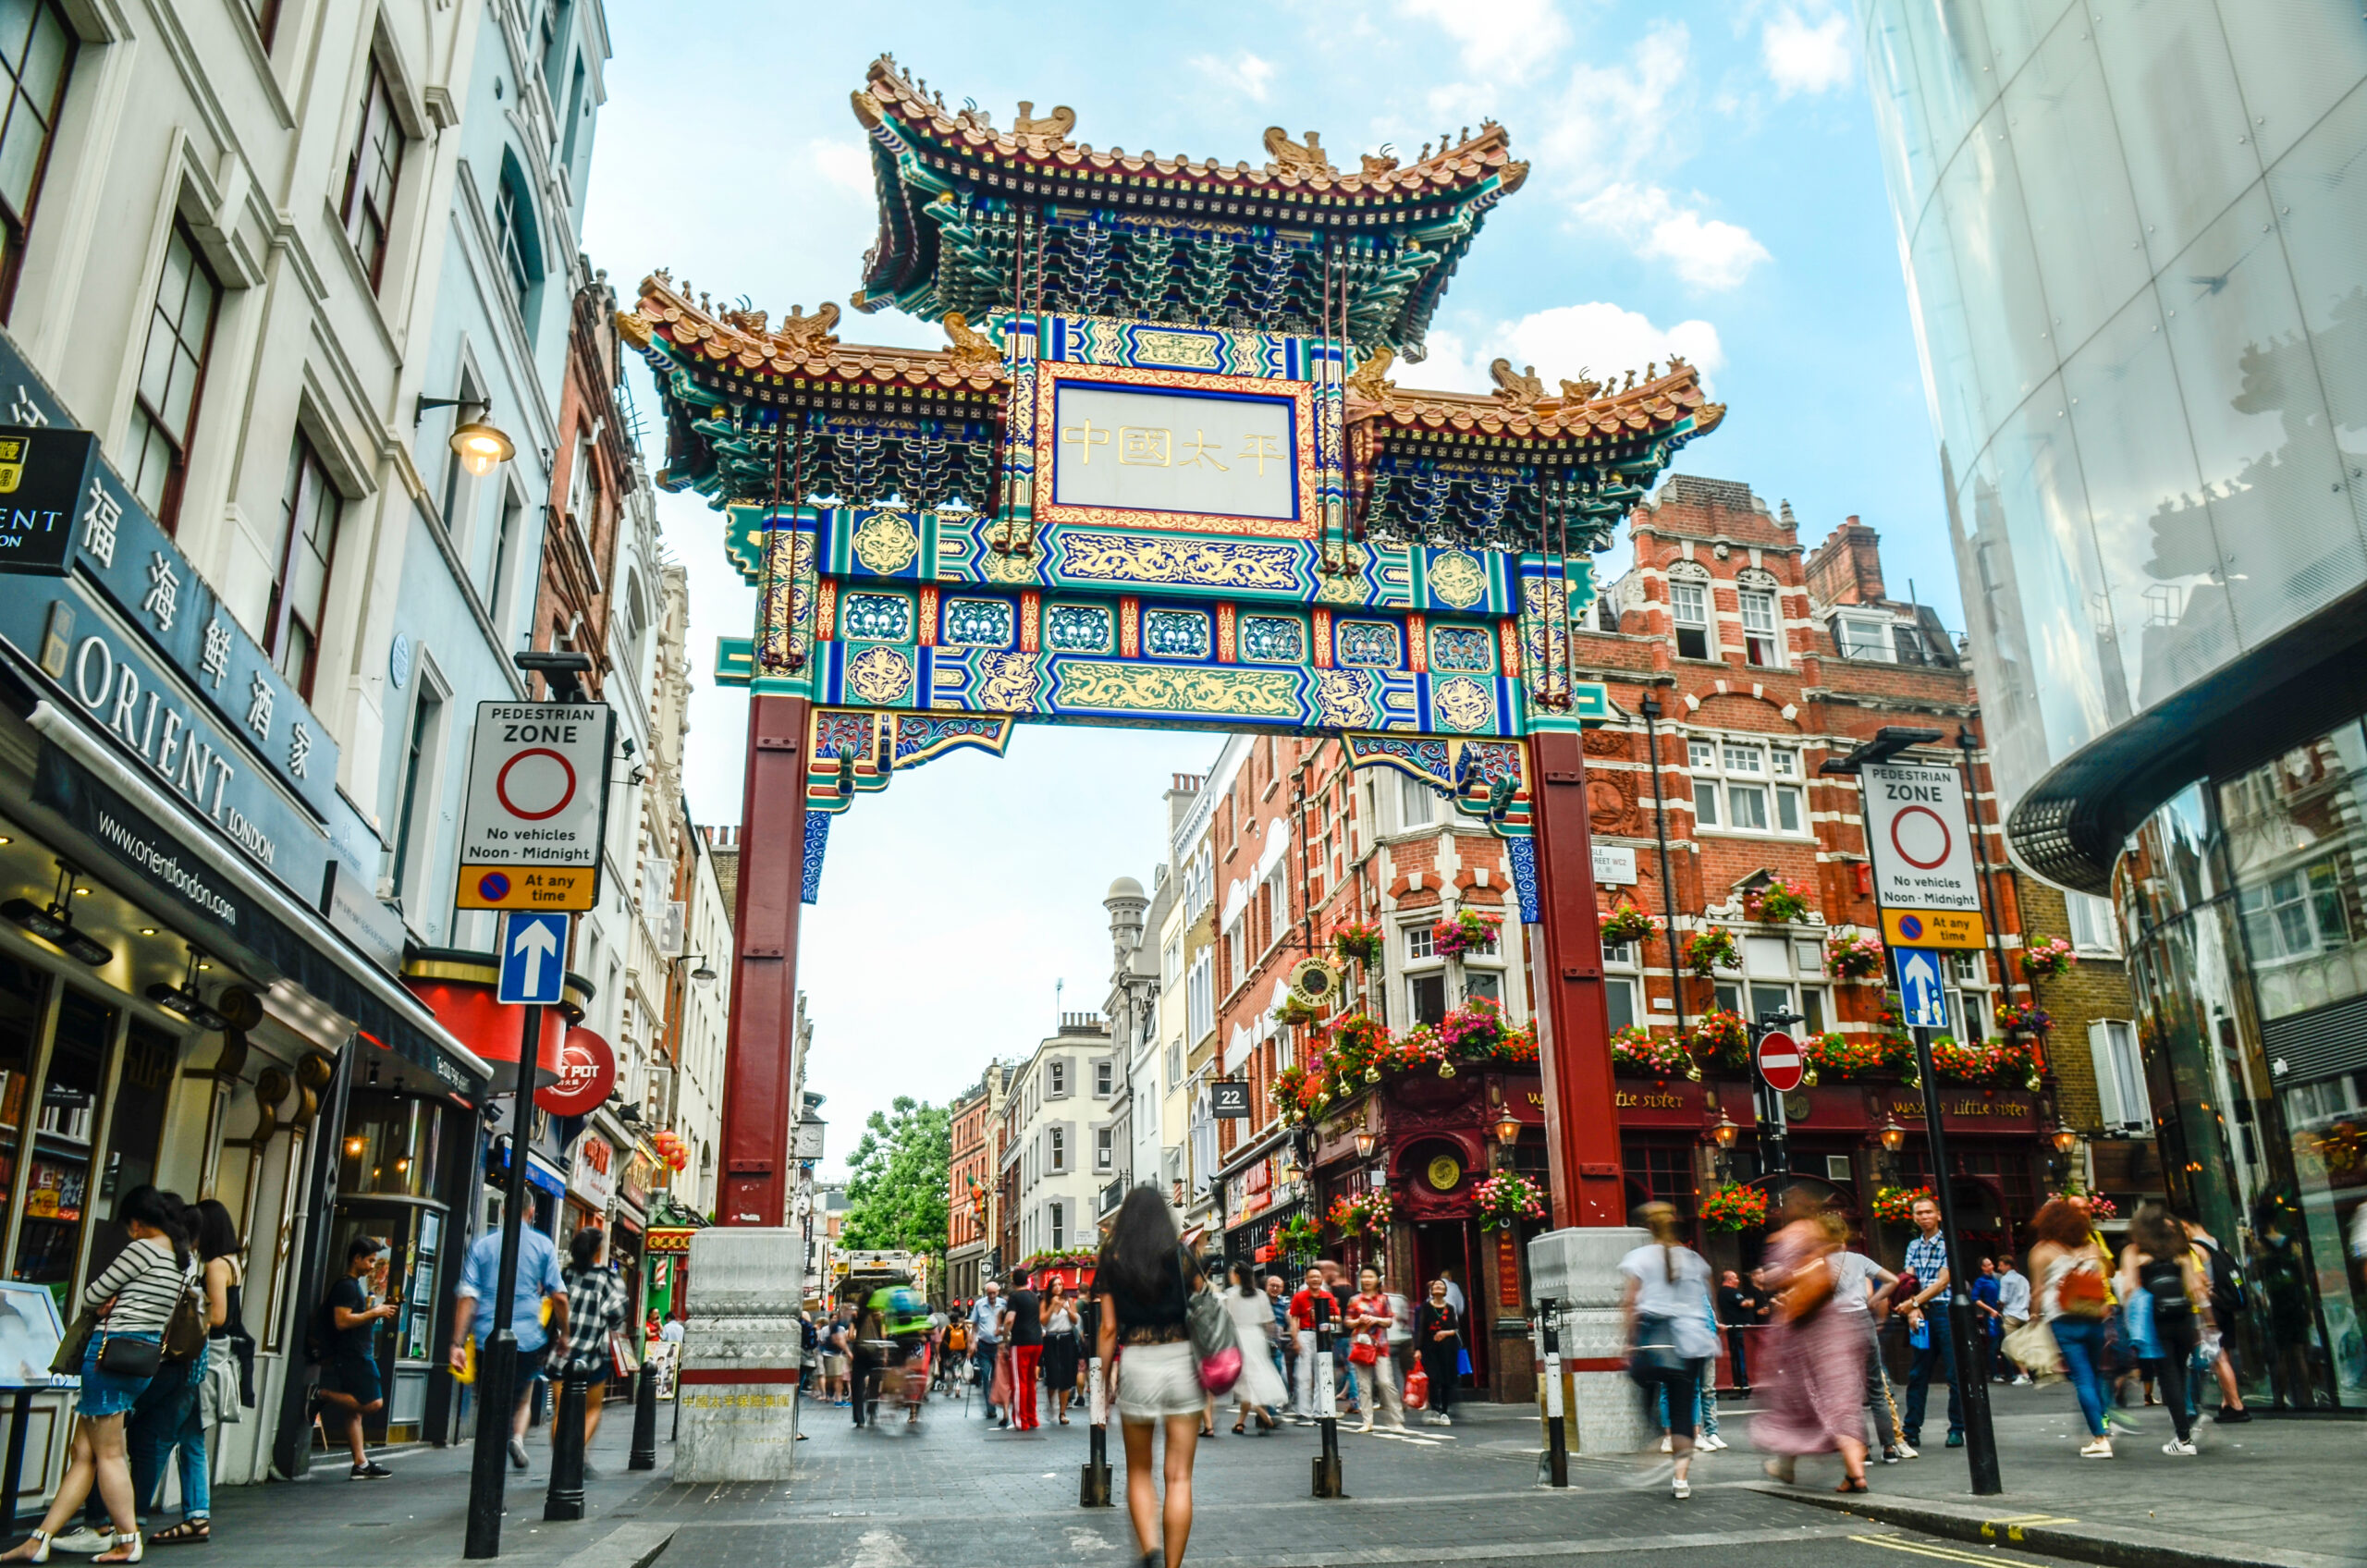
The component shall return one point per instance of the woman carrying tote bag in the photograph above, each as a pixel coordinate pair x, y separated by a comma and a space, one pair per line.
1669, 1330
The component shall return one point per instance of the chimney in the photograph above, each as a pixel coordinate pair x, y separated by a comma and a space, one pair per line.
1848, 568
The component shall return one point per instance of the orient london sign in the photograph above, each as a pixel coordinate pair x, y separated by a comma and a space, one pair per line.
537, 805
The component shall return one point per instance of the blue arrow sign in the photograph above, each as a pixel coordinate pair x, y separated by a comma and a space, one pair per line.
534, 957
1918, 986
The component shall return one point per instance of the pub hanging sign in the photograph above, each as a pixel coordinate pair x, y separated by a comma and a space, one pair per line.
44, 473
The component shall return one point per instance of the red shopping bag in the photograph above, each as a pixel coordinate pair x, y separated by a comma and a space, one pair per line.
1417, 1388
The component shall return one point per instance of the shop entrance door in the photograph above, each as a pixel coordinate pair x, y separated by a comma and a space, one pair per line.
1444, 1247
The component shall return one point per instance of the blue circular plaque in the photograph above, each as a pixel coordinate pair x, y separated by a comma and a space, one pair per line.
399, 661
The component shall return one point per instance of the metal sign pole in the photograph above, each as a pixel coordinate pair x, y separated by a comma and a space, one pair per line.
1094, 1485
1557, 1438
497, 1366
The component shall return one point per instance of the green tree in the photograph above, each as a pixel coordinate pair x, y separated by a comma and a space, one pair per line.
896, 1181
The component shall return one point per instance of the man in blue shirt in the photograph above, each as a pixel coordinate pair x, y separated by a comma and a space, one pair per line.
538, 1278
986, 1330
1927, 1259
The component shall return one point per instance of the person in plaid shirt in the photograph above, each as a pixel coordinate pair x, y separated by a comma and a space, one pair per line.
1927, 1259
595, 1309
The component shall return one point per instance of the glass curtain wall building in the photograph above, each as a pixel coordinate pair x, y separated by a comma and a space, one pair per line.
2135, 237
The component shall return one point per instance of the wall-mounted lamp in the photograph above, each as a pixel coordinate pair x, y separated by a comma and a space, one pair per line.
184, 1000
479, 444
2065, 1139
55, 923
1894, 1136
1365, 1141
1725, 1131
1508, 1129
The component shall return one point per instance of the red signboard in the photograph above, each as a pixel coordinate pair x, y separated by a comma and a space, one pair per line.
587, 1071
1779, 1061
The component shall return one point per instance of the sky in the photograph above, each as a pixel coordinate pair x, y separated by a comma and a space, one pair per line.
1703, 178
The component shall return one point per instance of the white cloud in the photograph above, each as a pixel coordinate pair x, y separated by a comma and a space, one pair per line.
1802, 56
1510, 39
1245, 73
1598, 337
1705, 252
845, 165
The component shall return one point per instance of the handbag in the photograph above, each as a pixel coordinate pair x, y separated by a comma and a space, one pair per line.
123, 1356
67, 1361
1811, 1287
2032, 1346
1215, 1348
1654, 1357
1362, 1351
185, 1330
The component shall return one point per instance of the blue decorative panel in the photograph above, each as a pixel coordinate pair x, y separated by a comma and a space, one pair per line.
977, 623
817, 838
1461, 648
1272, 639
1080, 629
1522, 852
876, 617
1176, 634
1369, 645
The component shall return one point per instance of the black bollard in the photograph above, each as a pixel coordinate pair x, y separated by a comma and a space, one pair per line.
1557, 1438
645, 1419
1326, 1403
1093, 1487
565, 1500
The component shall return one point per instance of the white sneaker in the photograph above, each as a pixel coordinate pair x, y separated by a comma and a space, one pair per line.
2180, 1447
1907, 1450
2021, 1381
1668, 1445
83, 1540
1680, 1489
1713, 1442
1445, 1420
2099, 1448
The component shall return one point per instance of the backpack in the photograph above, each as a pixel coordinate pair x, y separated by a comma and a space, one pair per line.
2226, 1282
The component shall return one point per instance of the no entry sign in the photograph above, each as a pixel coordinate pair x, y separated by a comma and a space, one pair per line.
1780, 1063
538, 804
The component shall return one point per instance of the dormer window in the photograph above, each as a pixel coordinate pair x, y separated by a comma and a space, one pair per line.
1863, 637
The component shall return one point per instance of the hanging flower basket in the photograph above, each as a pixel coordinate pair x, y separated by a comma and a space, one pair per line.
1844, 1057
1708, 951
1471, 1031
1361, 1216
1506, 1199
1628, 922
1734, 1208
1288, 1094
1852, 955
1291, 1012
1298, 1236
1468, 932
1895, 1206
1721, 1037
2047, 958
1636, 1050
1778, 902
1999, 1064
1357, 939
2017, 1018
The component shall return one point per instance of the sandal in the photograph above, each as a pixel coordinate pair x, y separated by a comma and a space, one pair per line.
123, 1551
1237, 1429
39, 1540
198, 1530
1851, 1484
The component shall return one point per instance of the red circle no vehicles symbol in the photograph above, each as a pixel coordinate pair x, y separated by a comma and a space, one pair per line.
1921, 838
551, 779
1779, 1061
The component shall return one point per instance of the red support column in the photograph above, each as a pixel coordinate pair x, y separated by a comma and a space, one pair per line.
759, 1050
1581, 1115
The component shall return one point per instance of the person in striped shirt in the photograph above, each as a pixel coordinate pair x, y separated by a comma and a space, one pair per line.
1927, 1259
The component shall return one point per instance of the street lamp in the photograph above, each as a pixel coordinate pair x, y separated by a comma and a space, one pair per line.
704, 974
1365, 1141
1725, 1131
1894, 1136
1507, 1128
2065, 1140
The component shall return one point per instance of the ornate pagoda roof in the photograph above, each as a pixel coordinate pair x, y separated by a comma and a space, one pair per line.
968, 210
1667, 403
733, 344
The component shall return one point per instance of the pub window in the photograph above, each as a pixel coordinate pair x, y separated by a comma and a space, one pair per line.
37, 52
371, 170
172, 374
1621, 984
1760, 643
1428, 994
1690, 608
1487, 983
310, 511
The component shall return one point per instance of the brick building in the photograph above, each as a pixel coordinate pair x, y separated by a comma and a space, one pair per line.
971, 1182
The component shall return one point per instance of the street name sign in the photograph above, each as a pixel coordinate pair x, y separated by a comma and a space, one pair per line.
537, 805
1779, 1064
1917, 829
533, 959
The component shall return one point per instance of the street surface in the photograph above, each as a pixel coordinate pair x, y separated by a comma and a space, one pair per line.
958, 1494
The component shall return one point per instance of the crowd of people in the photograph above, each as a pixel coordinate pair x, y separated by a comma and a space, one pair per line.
1805, 1330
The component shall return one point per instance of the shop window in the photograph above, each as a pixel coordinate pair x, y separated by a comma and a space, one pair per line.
1665, 1173
21, 991
1689, 610
37, 49
389, 1147
1427, 993
135, 1131
172, 374
57, 1183
1761, 642
310, 511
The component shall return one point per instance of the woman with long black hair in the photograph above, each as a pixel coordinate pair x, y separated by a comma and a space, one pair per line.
1145, 1282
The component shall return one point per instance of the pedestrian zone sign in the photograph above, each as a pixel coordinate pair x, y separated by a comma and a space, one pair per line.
1921, 845
537, 805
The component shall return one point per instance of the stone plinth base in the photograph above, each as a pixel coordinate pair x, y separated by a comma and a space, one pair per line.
742, 1356
1578, 1271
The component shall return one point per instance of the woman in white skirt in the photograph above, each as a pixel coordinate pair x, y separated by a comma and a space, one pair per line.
1144, 1279
1259, 1391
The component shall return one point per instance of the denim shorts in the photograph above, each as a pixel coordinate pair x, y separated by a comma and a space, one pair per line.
108, 1394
